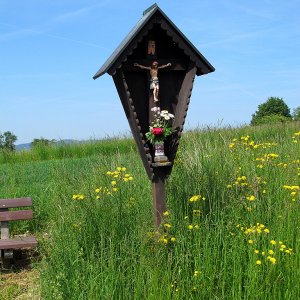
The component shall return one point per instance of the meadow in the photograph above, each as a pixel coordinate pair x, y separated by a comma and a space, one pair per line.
231, 231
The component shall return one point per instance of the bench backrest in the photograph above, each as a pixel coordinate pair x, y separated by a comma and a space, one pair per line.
6, 215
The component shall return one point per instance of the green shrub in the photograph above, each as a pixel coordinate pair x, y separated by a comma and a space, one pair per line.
272, 119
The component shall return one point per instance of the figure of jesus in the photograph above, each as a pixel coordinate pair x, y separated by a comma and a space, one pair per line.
154, 83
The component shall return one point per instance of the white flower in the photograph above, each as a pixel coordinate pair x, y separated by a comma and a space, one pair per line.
155, 109
166, 115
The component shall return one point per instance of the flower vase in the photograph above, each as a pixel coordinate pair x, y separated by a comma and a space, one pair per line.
159, 154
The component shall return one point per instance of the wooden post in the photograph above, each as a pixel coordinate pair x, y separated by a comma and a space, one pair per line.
159, 196
4, 228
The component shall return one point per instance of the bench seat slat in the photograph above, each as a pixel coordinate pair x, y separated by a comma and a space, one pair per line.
15, 202
15, 215
23, 242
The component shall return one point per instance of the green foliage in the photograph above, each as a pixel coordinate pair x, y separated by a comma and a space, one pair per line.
273, 106
7, 141
272, 119
296, 114
42, 142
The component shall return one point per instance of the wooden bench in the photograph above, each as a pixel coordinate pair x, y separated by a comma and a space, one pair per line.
7, 244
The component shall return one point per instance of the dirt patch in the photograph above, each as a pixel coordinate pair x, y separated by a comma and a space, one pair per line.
20, 285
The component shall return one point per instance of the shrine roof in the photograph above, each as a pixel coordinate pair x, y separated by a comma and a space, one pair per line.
203, 66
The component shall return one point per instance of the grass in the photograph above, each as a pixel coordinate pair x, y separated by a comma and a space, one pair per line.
231, 231
74, 150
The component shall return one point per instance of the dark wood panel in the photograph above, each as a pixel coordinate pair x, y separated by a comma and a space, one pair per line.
184, 96
15, 215
15, 202
24, 242
133, 119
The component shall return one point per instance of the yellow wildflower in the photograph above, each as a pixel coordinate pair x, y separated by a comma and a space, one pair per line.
282, 247
78, 197
258, 262
196, 273
195, 198
272, 260
251, 198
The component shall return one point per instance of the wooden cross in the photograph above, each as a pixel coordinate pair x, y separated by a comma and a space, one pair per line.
153, 74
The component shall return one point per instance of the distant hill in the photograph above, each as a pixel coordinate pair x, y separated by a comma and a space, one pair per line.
23, 147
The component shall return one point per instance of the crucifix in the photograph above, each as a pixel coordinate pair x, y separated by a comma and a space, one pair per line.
154, 82
152, 66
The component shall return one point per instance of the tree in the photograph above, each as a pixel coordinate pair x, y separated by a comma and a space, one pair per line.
273, 106
41, 142
7, 141
296, 114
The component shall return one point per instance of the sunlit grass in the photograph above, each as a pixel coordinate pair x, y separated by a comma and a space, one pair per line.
231, 230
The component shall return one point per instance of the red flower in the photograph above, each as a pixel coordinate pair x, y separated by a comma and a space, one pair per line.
157, 131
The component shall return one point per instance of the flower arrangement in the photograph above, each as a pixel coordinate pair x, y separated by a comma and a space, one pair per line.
160, 128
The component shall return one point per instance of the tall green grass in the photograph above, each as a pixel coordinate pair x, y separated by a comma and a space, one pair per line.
107, 248
63, 150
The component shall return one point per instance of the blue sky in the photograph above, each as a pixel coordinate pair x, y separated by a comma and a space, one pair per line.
49, 51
